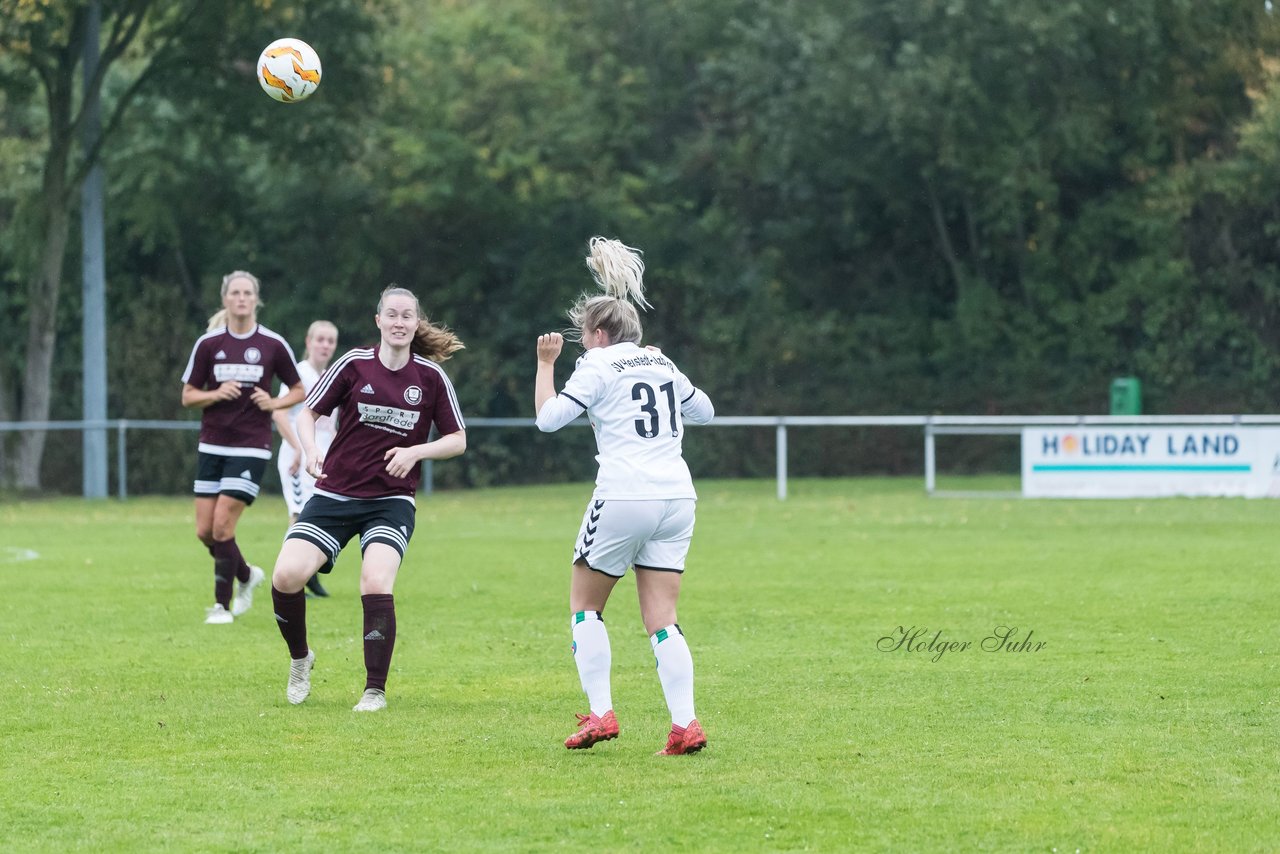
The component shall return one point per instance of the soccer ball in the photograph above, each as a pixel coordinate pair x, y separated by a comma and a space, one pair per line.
289, 70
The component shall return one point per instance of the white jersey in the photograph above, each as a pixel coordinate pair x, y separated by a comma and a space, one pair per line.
637, 401
298, 486
325, 428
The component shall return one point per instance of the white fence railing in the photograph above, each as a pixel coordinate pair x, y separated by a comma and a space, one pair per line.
932, 425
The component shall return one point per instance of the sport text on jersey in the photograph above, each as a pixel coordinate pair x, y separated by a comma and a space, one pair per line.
388, 417
642, 360
240, 373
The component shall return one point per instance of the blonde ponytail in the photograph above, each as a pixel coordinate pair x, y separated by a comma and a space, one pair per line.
218, 319
618, 270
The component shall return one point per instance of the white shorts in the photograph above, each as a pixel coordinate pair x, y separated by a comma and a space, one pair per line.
298, 488
648, 534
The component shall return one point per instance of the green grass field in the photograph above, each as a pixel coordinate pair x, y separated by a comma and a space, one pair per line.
1147, 721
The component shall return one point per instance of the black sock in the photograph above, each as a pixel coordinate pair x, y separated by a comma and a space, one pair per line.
379, 637
224, 572
242, 566
228, 552
291, 617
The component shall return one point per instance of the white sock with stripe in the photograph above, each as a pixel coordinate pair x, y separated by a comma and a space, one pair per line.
675, 672
594, 657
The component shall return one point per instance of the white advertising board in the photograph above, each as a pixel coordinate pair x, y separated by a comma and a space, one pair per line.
1150, 462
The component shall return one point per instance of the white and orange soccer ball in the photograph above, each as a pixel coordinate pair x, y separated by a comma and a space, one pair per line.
289, 70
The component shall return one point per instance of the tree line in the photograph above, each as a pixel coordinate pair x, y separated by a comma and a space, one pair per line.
847, 206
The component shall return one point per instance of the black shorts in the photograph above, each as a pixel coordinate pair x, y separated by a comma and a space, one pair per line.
234, 477
328, 524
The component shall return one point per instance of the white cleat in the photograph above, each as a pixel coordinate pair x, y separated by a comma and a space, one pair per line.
217, 616
244, 594
300, 678
372, 701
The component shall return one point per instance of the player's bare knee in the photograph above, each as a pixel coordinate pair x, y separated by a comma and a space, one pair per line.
654, 620
376, 582
289, 576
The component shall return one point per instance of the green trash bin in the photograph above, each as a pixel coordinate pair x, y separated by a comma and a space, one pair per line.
1126, 396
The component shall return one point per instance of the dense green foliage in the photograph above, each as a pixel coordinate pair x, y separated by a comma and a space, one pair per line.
847, 207
1146, 723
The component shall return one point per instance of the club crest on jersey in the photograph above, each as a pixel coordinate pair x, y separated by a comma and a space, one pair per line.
253, 355
413, 395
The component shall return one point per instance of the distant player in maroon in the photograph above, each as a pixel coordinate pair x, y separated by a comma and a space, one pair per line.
388, 397
229, 376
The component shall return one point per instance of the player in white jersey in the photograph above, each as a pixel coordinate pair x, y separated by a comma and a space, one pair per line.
642, 512
295, 481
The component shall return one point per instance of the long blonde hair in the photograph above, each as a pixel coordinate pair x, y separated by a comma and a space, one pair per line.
219, 317
618, 269
431, 341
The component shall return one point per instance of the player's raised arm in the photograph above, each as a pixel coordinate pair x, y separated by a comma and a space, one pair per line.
544, 383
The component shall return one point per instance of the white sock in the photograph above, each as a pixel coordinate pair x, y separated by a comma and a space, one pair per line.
593, 656
675, 672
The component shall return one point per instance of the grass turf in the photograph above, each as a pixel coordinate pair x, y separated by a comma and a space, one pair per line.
1147, 721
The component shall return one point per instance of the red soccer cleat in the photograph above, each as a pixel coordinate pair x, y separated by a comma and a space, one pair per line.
691, 739
594, 728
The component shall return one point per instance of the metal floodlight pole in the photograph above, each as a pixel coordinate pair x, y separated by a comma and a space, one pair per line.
93, 277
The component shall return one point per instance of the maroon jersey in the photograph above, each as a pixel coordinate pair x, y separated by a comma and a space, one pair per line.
380, 409
238, 428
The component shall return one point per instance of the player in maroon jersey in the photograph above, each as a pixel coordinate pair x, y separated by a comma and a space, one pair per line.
229, 377
390, 396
